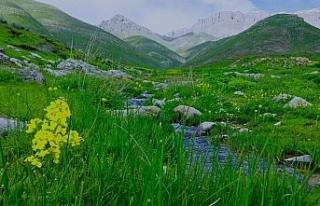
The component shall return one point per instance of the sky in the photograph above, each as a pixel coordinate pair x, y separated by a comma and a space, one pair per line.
162, 16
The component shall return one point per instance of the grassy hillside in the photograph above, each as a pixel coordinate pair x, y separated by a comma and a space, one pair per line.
18, 42
279, 34
156, 51
73, 32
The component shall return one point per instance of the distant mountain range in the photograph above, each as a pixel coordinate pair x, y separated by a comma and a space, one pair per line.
226, 23
223, 35
217, 26
123, 27
278, 34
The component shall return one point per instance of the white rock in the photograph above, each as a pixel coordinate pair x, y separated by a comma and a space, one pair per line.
187, 111
206, 126
281, 97
297, 102
158, 102
239, 93
299, 159
277, 124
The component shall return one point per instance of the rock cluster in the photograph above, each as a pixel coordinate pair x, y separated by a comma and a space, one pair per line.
71, 66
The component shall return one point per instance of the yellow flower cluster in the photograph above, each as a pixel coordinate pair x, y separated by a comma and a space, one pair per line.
51, 133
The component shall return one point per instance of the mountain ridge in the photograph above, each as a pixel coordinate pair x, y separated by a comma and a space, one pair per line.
278, 34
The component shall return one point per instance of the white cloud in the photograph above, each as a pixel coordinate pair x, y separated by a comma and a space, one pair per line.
231, 5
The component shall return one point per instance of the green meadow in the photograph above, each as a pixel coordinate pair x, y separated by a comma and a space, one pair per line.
140, 160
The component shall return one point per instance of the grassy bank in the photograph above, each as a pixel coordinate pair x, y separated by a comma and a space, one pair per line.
141, 161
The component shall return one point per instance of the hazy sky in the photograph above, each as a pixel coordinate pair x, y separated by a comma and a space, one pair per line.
165, 15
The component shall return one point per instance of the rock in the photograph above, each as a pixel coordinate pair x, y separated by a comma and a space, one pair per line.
304, 159
51, 61
158, 102
268, 115
13, 48
252, 75
205, 127
244, 130
141, 111
57, 73
177, 99
281, 97
277, 124
297, 102
149, 111
3, 57
9, 124
146, 95
117, 74
34, 55
187, 111
72, 66
17, 62
301, 61
135, 102
239, 93
29, 75
187, 131
160, 85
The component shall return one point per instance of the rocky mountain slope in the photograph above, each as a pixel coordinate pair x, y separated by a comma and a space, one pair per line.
227, 23
123, 27
223, 24
278, 34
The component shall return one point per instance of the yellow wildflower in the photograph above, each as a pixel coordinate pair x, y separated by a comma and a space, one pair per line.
34, 161
51, 133
42, 153
33, 125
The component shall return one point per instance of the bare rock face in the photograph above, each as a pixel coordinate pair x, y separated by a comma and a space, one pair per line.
223, 24
123, 27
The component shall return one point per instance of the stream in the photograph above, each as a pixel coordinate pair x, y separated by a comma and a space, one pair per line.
198, 148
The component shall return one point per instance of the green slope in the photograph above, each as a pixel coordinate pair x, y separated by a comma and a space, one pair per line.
11, 12
77, 34
25, 42
278, 34
156, 51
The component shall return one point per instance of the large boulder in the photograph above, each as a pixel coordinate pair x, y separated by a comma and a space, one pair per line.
187, 111
297, 102
281, 97
9, 124
30, 75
